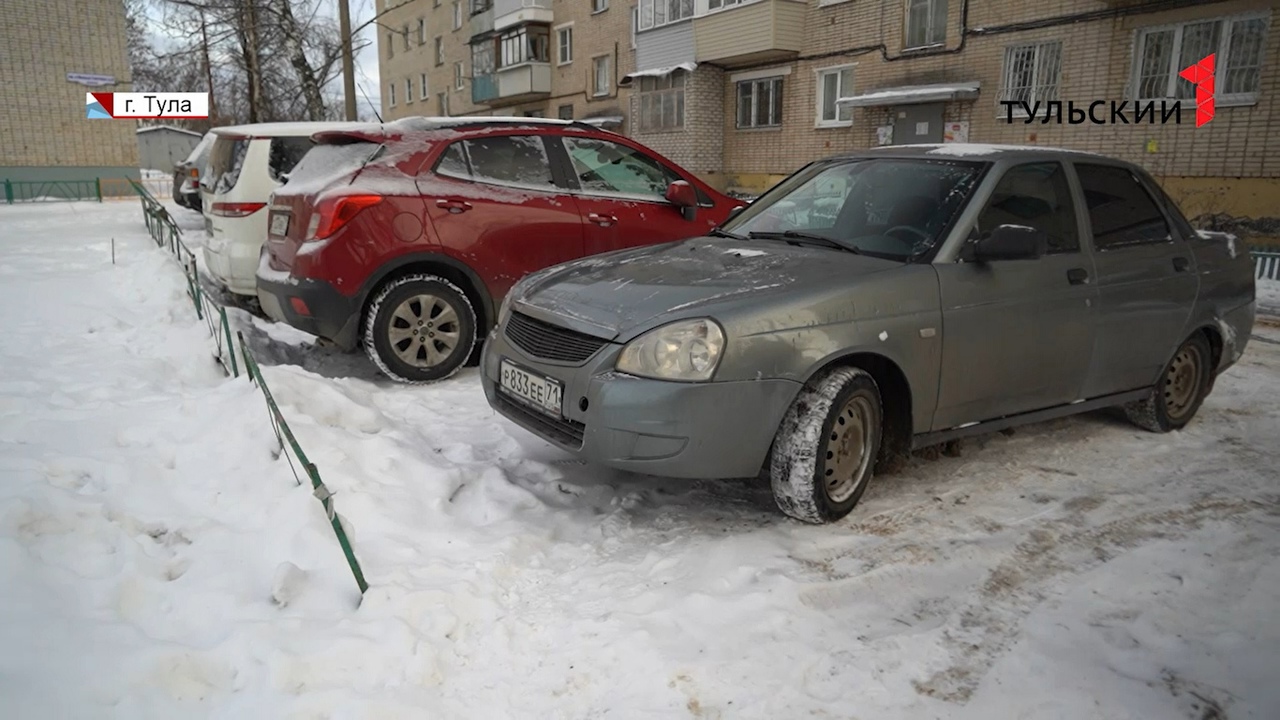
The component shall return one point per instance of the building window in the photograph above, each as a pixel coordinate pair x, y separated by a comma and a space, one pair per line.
422, 32
435, 3
457, 14
439, 51
479, 6
408, 91
654, 13
564, 44
602, 83
599, 6
404, 35
422, 87
391, 45
760, 103
1032, 74
459, 74
528, 43
1164, 51
718, 4
662, 102
926, 23
391, 95
565, 112
833, 84
442, 99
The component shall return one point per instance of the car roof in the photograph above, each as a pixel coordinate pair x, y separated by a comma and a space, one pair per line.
981, 152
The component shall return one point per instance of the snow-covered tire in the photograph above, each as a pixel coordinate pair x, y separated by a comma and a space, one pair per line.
813, 445
398, 309
1184, 382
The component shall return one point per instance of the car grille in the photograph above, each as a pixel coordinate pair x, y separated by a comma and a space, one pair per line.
550, 342
562, 430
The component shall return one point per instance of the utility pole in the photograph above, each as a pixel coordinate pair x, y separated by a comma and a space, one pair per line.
348, 62
208, 69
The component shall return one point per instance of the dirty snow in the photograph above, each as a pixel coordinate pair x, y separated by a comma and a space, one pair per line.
157, 559
1268, 292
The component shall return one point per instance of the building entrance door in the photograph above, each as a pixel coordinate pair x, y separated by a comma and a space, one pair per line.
914, 124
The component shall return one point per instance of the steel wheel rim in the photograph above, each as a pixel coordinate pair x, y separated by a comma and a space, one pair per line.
424, 330
1182, 381
848, 449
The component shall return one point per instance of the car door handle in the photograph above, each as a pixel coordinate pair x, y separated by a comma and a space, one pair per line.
1077, 276
454, 206
1181, 264
602, 220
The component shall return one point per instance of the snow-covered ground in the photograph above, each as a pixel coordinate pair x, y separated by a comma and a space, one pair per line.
157, 559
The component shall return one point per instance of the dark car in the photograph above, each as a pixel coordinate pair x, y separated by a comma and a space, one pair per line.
406, 237
186, 174
874, 303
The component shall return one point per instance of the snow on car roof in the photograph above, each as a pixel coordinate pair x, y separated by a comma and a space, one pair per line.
284, 129
975, 150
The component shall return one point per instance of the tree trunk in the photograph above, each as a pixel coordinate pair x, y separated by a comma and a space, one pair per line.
310, 84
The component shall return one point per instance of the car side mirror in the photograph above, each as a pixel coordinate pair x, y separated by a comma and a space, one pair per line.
1010, 242
681, 194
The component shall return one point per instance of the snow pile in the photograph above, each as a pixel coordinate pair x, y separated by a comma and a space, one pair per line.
157, 559
1268, 294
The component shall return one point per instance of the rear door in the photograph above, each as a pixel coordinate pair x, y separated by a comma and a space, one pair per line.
622, 195
1147, 280
494, 203
1018, 334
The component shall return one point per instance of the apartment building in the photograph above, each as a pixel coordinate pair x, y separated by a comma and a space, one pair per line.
51, 54
536, 58
743, 92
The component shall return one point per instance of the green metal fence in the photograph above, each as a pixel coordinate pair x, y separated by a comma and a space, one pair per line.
166, 234
33, 190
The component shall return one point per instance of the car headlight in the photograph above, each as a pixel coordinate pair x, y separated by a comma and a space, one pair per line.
686, 350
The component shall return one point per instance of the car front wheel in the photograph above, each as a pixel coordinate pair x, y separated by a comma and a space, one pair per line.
419, 329
825, 450
1178, 393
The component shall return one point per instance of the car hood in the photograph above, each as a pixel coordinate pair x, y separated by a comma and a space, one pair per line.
619, 293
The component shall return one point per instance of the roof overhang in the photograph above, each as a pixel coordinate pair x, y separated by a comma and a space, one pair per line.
914, 95
656, 72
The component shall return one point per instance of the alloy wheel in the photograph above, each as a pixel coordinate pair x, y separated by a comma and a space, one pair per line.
424, 330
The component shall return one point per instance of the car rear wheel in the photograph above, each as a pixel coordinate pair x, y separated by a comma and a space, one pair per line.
826, 447
1178, 393
419, 329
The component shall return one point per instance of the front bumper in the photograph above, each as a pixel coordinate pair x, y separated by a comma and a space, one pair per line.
657, 427
331, 315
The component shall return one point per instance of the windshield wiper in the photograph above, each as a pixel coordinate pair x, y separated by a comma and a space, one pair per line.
717, 232
797, 237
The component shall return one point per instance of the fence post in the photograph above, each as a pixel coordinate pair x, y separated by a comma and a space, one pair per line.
97, 186
231, 346
8, 192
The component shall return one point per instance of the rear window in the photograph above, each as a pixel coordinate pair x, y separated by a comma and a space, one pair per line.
322, 163
225, 162
285, 154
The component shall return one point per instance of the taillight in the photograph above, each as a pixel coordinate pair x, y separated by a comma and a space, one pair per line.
333, 213
235, 209
193, 173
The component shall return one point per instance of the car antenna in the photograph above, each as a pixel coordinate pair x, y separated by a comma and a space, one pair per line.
371, 105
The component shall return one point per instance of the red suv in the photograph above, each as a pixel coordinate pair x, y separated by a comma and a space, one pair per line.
405, 237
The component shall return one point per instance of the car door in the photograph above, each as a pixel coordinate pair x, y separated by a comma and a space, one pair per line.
621, 194
1018, 334
1146, 279
493, 203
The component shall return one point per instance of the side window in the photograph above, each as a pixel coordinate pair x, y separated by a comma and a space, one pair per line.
1121, 210
510, 160
1035, 195
453, 162
285, 154
604, 166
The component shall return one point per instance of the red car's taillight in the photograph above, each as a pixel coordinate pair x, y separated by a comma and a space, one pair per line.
234, 209
332, 213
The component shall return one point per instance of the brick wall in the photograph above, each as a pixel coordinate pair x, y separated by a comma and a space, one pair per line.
42, 116
699, 146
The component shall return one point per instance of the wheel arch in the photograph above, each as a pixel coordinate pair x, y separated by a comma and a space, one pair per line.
449, 268
895, 400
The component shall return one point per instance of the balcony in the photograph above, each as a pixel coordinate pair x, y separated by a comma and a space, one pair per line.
514, 84
752, 32
482, 22
507, 13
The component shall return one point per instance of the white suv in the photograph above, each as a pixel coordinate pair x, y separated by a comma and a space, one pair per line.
246, 164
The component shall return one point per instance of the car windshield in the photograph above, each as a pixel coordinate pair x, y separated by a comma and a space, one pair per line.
896, 208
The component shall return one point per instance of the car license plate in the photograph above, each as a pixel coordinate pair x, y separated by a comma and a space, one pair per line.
279, 224
541, 392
